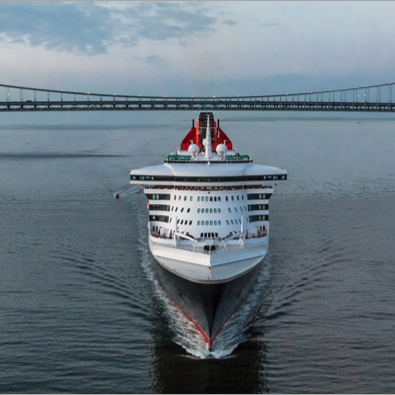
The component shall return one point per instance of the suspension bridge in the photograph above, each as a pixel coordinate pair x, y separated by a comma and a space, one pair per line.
374, 98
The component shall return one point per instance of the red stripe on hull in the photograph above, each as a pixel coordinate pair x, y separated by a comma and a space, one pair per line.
203, 333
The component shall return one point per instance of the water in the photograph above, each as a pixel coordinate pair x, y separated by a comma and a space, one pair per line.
81, 310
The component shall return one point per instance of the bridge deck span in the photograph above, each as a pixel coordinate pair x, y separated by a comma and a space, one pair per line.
163, 105
375, 98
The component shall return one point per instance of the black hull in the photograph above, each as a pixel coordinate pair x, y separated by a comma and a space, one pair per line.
208, 306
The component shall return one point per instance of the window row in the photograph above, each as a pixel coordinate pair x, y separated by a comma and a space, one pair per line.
208, 210
181, 211
211, 222
253, 207
185, 198
159, 207
181, 222
155, 196
209, 198
255, 196
209, 179
254, 218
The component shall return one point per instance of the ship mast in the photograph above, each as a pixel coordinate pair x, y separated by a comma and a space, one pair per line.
208, 139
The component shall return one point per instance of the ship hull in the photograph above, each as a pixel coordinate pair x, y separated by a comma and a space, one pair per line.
207, 305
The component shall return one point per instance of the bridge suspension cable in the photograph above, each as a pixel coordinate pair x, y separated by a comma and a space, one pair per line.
366, 98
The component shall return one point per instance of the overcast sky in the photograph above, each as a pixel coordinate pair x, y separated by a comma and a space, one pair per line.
196, 48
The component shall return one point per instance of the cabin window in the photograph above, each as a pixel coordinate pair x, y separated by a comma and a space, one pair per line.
211, 198
231, 221
229, 209
206, 210
185, 198
215, 211
239, 221
219, 198
171, 219
227, 222
191, 198
179, 198
226, 198
201, 234
182, 222
211, 210
219, 222
237, 197
215, 222
206, 198
175, 197
241, 208
242, 197
233, 198
182, 209
190, 222
198, 199
198, 223
235, 209
176, 209
206, 222
211, 223
215, 198
219, 210
178, 221
172, 208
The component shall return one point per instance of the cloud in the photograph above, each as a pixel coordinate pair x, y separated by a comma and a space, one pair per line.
92, 28
229, 22
81, 27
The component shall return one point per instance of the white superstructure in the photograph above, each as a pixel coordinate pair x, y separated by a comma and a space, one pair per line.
208, 207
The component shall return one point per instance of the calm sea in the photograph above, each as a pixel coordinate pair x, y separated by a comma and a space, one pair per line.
81, 310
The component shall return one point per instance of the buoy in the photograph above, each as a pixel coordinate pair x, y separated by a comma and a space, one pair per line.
117, 196
147, 205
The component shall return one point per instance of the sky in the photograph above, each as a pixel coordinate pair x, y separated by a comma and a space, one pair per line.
196, 48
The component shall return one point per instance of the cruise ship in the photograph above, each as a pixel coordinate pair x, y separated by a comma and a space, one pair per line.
208, 223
